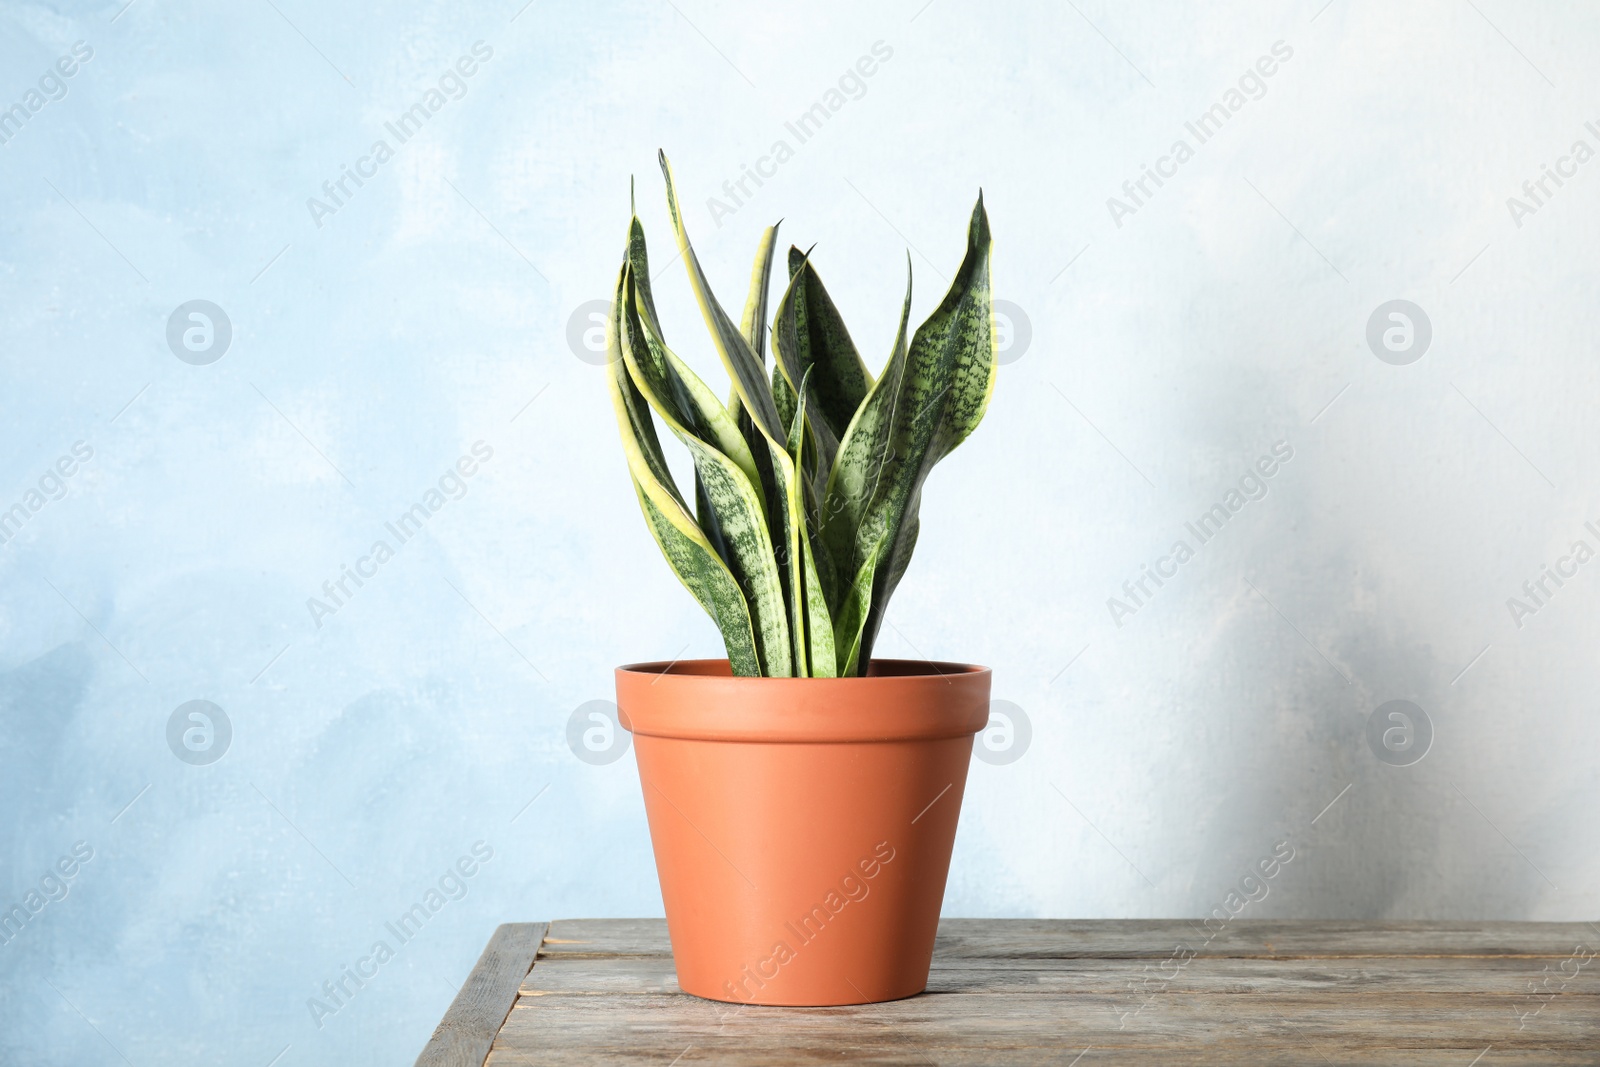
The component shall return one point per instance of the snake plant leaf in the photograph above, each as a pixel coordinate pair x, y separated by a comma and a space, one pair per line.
782, 392
808, 335
852, 618
639, 438
929, 399
669, 382
811, 623
819, 627
704, 575
754, 322
741, 538
794, 504
749, 381
858, 468
687, 550
747, 372
753, 326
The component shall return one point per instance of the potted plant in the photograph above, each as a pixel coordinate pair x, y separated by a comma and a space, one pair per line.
802, 796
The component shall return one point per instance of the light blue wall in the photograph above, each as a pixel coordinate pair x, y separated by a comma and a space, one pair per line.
373, 346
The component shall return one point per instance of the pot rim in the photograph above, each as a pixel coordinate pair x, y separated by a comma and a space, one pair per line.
903, 700
883, 671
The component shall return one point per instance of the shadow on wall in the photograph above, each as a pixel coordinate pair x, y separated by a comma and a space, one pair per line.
1357, 831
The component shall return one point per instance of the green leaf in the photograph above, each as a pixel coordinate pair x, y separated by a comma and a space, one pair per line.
809, 336
740, 536
669, 383
930, 397
747, 372
754, 323
698, 568
863, 454
819, 627
852, 618
812, 625
687, 550
784, 513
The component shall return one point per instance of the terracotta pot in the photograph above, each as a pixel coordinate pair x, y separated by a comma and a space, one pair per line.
803, 826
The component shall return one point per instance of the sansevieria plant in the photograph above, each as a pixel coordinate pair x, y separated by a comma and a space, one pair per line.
809, 479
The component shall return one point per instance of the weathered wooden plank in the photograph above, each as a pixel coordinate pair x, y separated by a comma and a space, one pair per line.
618, 1026
1354, 975
1030, 992
1265, 1056
1152, 938
1266, 938
607, 937
467, 1031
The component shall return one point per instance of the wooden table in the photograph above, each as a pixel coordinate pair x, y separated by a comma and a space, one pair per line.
1037, 991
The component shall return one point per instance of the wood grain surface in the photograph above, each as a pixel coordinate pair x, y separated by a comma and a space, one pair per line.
464, 1035
1090, 993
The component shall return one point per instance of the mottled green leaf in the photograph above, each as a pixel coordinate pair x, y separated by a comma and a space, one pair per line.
809, 336
787, 523
669, 382
863, 454
687, 550
742, 540
754, 322
930, 397
813, 621
747, 372
707, 579
852, 619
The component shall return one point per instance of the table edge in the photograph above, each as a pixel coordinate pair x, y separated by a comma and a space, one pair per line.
465, 1035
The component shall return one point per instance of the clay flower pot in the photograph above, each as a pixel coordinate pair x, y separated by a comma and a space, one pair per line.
802, 827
